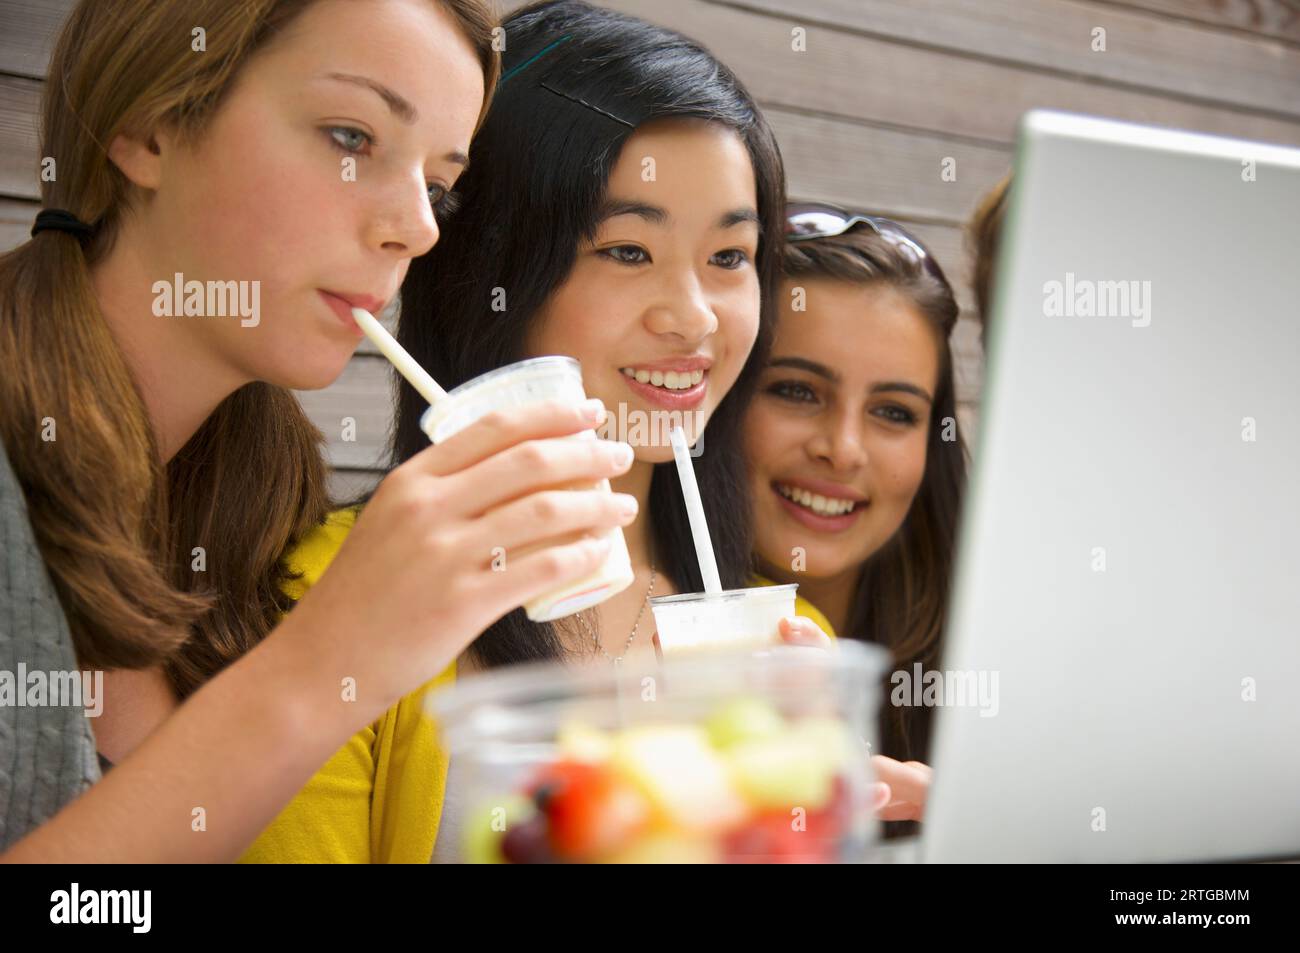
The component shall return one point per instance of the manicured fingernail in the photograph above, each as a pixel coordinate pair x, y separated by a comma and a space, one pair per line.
592, 410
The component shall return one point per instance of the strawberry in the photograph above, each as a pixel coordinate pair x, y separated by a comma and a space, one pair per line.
590, 810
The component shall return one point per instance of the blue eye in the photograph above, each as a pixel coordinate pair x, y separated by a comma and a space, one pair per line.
350, 140
626, 254
732, 258
349, 131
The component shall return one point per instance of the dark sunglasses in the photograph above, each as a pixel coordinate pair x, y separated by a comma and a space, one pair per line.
805, 221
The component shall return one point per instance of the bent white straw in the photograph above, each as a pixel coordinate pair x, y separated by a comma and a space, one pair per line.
416, 375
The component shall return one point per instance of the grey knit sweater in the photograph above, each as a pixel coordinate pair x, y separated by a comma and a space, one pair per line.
47, 754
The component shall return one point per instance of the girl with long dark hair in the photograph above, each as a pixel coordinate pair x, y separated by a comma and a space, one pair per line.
857, 461
622, 206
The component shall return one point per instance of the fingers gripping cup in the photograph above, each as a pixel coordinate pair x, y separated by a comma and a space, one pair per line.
731, 618
518, 385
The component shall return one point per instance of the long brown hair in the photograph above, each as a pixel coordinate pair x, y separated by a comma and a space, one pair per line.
984, 237
902, 597
115, 526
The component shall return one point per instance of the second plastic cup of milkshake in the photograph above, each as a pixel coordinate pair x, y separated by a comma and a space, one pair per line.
516, 385
728, 619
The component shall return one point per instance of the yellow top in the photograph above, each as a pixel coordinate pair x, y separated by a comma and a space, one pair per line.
378, 799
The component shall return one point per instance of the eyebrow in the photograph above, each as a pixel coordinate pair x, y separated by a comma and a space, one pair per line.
902, 387
657, 215
651, 213
821, 370
739, 216
398, 105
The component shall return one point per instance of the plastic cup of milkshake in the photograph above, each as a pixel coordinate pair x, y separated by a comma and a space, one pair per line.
732, 618
517, 385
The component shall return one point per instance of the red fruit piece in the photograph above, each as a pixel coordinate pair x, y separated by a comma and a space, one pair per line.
590, 811
775, 838
552, 780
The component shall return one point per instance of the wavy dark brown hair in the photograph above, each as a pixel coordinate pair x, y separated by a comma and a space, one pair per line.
115, 525
903, 592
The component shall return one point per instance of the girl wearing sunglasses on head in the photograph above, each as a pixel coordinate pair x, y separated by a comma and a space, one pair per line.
856, 462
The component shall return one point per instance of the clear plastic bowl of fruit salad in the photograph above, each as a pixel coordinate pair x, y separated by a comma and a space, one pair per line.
720, 757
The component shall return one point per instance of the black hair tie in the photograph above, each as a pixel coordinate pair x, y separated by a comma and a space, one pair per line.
61, 220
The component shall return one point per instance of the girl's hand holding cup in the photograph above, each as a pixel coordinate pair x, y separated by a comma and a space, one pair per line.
427, 566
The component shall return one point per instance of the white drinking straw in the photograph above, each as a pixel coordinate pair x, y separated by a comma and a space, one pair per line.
695, 510
416, 375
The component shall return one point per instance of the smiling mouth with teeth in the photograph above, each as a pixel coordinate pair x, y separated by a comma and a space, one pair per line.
668, 380
821, 505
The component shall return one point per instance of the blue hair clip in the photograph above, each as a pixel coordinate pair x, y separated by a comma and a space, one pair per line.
533, 59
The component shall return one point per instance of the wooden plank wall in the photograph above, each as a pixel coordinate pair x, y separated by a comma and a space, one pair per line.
881, 94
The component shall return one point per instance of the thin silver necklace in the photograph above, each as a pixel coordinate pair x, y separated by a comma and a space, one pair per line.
637, 625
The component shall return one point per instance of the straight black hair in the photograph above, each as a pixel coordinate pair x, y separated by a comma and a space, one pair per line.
576, 82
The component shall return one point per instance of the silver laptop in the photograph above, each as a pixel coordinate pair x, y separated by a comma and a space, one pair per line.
1129, 573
